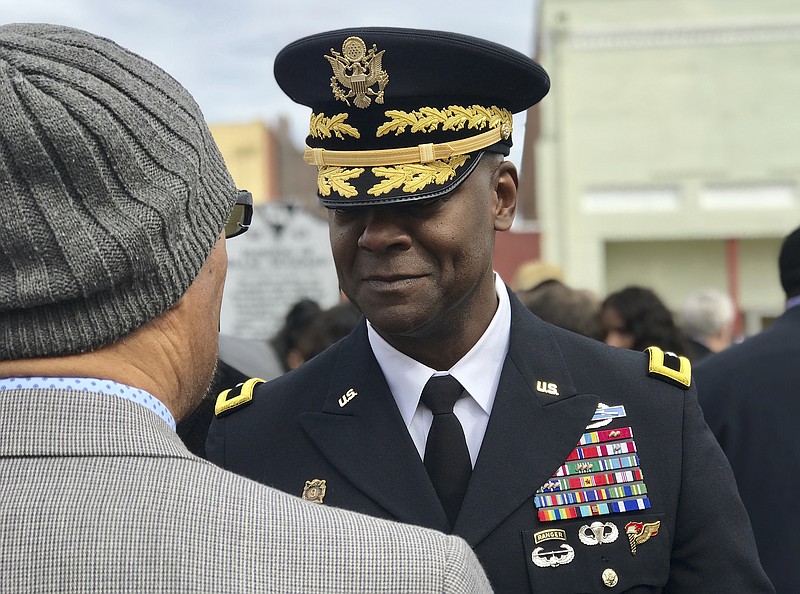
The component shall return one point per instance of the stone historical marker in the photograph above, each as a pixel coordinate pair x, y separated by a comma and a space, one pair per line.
284, 257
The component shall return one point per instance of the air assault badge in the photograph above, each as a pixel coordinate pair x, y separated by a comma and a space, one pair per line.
356, 71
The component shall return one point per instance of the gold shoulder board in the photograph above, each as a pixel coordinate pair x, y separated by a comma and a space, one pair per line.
236, 397
669, 367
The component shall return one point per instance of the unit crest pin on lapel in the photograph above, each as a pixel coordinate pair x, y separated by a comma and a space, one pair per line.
314, 490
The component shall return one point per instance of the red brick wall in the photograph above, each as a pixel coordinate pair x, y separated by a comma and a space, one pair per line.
512, 249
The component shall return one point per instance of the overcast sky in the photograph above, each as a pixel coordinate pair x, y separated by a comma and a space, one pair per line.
223, 50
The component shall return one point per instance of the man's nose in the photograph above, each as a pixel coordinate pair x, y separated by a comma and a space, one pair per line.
384, 229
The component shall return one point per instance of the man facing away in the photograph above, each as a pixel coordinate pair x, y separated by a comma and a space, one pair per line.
567, 465
750, 394
113, 208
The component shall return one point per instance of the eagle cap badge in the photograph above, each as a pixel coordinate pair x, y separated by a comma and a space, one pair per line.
356, 71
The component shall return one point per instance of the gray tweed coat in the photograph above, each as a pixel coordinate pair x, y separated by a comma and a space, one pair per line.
99, 495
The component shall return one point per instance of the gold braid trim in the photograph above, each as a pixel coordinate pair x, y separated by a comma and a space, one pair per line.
422, 153
415, 177
324, 127
335, 178
454, 117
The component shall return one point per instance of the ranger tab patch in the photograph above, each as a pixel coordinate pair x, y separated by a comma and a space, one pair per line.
669, 367
236, 397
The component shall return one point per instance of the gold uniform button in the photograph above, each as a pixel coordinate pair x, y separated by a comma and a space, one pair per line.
610, 578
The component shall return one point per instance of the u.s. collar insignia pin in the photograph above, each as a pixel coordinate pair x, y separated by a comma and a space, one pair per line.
547, 388
347, 397
314, 490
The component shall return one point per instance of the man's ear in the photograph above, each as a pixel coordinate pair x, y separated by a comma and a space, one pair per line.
506, 184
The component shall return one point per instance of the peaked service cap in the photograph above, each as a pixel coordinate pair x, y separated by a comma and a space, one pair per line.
403, 114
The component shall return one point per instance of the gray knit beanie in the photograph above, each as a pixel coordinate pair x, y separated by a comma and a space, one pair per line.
112, 191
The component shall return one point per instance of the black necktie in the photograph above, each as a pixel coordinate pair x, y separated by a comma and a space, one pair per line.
446, 455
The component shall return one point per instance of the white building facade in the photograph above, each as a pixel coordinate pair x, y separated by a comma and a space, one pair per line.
669, 153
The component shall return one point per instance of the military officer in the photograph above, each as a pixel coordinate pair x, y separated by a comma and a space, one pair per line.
568, 466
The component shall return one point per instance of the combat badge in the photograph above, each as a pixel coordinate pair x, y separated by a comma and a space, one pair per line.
553, 558
314, 490
598, 533
357, 70
605, 414
640, 532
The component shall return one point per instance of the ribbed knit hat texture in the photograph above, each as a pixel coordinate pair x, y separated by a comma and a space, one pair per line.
789, 263
112, 191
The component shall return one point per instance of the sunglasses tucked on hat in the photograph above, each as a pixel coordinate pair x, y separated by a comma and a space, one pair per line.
404, 114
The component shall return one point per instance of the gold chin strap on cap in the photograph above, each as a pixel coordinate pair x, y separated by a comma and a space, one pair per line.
423, 153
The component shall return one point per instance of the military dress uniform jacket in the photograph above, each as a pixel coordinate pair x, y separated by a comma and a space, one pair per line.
335, 420
98, 494
750, 396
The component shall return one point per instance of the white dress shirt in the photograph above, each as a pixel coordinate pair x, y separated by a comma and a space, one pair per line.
478, 372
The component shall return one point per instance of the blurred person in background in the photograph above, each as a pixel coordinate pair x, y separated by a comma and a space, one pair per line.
533, 274
750, 395
327, 327
635, 318
707, 318
115, 206
577, 310
286, 340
